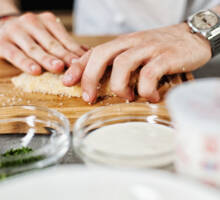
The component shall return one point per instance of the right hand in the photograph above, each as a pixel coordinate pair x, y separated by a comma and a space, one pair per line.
157, 52
35, 41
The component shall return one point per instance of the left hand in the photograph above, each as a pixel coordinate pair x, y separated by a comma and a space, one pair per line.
161, 51
35, 42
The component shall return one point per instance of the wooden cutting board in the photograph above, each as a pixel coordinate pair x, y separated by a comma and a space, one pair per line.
72, 108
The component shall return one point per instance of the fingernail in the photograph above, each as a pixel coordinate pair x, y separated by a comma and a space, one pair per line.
156, 96
68, 78
34, 67
56, 62
85, 96
85, 47
74, 60
131, 97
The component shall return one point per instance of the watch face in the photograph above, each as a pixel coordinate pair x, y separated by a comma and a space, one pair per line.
204, 20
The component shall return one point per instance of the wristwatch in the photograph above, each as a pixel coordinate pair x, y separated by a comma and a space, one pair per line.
207, 23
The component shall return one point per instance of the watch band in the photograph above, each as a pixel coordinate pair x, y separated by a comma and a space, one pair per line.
215, 45
214, 39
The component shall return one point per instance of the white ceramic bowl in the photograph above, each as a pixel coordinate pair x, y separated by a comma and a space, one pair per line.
81, 183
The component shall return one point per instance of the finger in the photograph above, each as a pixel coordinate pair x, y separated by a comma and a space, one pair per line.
15, 56
28, 45
100, 57
74, 73
58, 30
149, 76
85, 47
126, 63
37, 30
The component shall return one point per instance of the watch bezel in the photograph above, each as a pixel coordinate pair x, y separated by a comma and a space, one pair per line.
204, 32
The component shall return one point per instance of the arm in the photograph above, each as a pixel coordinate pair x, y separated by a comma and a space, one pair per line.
167, 50
8, 7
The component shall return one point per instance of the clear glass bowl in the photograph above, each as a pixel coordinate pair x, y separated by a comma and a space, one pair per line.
121, 113
45, 131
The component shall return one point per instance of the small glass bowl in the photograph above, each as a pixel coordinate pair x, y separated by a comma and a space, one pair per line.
45, 131
121, 113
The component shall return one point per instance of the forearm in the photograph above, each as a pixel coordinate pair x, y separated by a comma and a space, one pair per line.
8, 7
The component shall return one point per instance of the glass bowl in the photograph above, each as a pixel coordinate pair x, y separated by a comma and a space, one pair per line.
44, 132
121, 113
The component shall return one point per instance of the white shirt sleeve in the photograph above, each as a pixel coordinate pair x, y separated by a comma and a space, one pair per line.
195, 5
101, 17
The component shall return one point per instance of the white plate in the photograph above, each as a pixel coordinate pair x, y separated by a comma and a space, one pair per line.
81, 183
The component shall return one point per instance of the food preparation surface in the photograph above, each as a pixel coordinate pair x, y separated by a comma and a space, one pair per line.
72, 108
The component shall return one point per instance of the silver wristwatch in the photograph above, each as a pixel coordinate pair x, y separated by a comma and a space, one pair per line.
207, 23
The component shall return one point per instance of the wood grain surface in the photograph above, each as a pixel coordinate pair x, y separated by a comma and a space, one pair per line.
72, 108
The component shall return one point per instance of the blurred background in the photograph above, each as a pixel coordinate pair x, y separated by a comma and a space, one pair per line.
40, 5
62, 9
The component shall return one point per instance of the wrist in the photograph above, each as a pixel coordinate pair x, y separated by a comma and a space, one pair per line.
203, 42
206, 25
9, 6
4, 18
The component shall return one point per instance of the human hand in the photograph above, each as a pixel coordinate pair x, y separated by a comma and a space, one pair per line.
35, 41
161, 51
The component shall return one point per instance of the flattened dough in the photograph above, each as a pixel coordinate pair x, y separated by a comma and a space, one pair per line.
48, 83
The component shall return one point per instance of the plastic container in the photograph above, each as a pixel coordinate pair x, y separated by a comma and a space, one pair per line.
112, 115
18, 128
195, 110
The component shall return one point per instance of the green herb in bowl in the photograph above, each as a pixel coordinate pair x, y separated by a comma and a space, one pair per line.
13, 158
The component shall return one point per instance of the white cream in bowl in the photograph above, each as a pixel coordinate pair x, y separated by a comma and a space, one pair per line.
135, 144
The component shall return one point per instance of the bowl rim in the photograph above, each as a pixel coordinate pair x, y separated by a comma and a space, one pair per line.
47, 160
77, 145
157, 178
